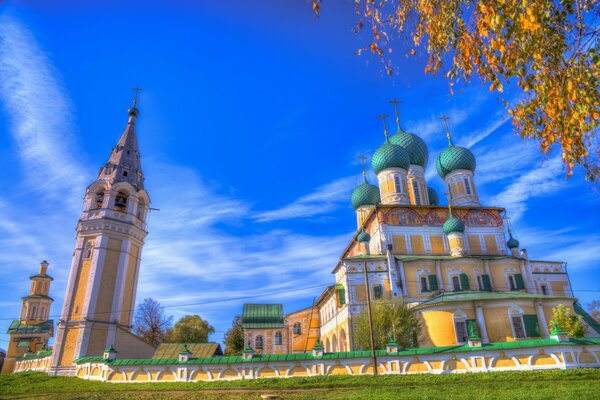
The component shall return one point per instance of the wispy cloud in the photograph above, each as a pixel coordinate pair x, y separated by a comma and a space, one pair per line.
323, 200
39, 111
540, 181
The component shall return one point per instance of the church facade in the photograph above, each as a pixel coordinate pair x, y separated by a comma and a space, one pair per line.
485, 306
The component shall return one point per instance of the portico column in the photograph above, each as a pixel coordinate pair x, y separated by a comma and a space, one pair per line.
481, 323
403, 278
539, 308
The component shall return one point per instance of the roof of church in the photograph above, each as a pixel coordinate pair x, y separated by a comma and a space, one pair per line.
587, 317
448, 297
256, 316
124, 163
198, 350
18, 327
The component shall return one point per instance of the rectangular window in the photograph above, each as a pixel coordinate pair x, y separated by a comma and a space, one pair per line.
487, 283
464, 282
519, 283
433, 283
424, 284
543, 288
416, 193
511, 283
455, 283
461, 331
341, 295
467, 185
398, 183
377, 292
517, 322
532, 326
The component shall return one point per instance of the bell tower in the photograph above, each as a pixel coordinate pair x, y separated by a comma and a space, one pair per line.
100, 297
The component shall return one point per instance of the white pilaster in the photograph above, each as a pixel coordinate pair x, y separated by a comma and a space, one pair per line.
481, 323
438, 274
539, 310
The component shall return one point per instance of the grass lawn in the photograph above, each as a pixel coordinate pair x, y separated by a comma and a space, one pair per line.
571, 384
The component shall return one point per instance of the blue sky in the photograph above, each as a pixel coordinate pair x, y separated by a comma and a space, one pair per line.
252, 116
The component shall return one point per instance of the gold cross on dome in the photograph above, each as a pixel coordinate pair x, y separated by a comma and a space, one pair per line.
395, 102
362, 159
384, 117
137, 91
445, 118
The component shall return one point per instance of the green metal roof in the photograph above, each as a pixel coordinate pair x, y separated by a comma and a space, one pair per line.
416, 147
470, 295
262, 316
389, 156
198, 350
365, 195
363, 237
587, 317
453, 158
512, 243
39, 354
519, 344
17, 327
416, 257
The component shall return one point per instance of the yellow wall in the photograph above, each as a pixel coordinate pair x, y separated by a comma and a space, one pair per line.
109, 278
68, 348
474, 244
399, 244
416, 244
80, 289
130, 279
440, 328
437, 244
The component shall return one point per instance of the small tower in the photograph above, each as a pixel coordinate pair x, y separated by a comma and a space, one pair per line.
512, 243
454, 229
364, 238
456, 166
33, 329
390, 163
418, 156
364, 197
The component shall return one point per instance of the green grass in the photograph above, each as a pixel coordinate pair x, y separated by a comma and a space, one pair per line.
571, 384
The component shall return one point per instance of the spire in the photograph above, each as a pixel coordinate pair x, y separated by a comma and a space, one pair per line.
395, 102
385, 131
445, 118
124, 162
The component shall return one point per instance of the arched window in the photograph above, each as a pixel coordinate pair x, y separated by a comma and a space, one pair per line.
121, 201
258, 342
99, 200
460, 326
416, 193
297, 328
89, 250
278, 339
516, 319
398, 183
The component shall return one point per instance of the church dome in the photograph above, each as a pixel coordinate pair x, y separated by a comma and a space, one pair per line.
389, 156
365, 195
453, 158
434, 200
363, 236
453, 224
512, 243
416, 147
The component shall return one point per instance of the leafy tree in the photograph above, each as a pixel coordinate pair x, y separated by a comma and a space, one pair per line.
548, 48
388, 317
190, 329
234, 338
568, 322
150, 322
594, 309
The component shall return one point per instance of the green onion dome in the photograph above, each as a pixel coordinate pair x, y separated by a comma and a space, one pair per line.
453, 224
434, 200
416, 147
363, 236
365, 195
453, 158
512, 242
390, 156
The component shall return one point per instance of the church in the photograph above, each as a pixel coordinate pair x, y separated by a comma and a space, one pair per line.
484, 304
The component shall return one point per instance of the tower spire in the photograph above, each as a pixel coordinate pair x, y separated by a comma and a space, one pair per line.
124, 164
445, 118
395, 102
384, 117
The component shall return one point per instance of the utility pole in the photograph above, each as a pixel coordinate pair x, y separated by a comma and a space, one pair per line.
373, 356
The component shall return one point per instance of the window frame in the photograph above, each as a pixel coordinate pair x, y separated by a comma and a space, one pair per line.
417, 193
257, 339
463, 324
424, 280
456, 279
297, 328
518, 317
278, 338
467, 184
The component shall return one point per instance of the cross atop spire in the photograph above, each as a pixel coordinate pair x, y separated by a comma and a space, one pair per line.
136, 95
395, 102
362, 159
445, 118
384, 118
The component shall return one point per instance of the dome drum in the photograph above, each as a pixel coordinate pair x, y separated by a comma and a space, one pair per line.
393, 186
462, 188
